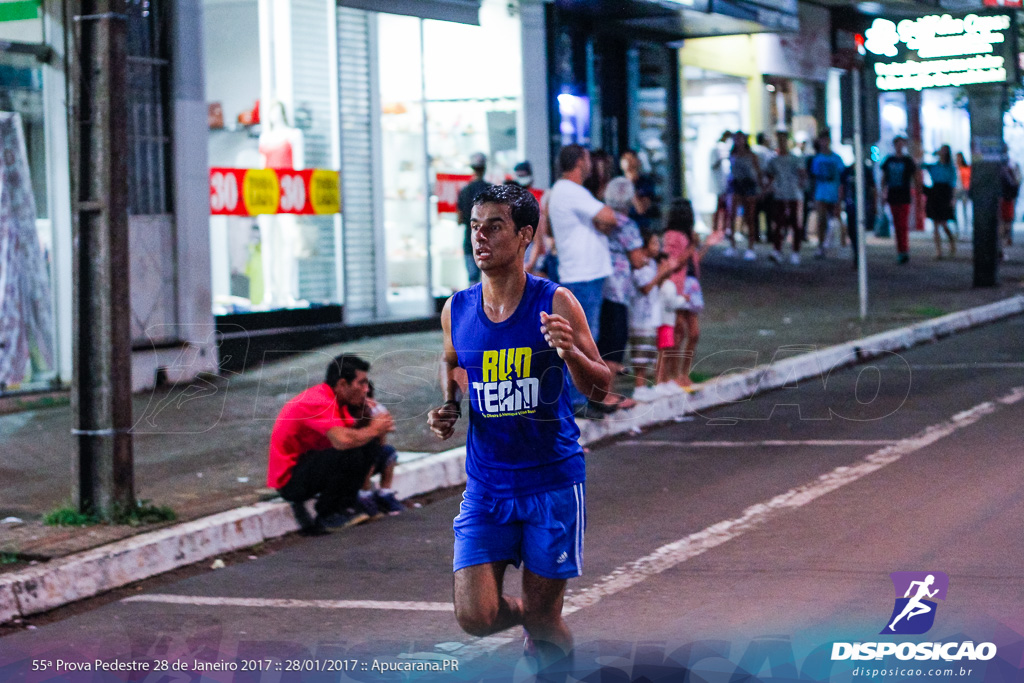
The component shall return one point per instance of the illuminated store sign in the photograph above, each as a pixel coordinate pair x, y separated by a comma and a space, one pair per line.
942, 51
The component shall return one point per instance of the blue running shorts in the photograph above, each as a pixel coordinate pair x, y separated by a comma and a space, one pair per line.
544, 530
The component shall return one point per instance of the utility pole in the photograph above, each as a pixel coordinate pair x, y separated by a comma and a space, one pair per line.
101, 381
986, 105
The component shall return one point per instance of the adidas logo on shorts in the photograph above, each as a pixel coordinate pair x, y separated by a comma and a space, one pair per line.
562, 558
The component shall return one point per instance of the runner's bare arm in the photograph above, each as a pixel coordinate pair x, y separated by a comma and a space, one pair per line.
566, 330
443, 418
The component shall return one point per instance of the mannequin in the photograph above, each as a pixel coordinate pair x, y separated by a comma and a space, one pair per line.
281, 147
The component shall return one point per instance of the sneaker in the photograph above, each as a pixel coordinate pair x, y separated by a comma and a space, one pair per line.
645, 394
668, 388
776, 256
820, 253
903, 258
729, 252
367, 504
388, 504
749, 255
794, 259
344, 519
315, 529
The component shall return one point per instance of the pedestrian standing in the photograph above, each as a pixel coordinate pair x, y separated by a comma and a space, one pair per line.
899, 176
827, 170
787, 178
963, 195
682, 244
1009, 190
746, 188
645, 313
478, 164
939, 207
601, 167
720, 173
626, 246
852, 208
644, 210
541, 259
580, 224
766, 200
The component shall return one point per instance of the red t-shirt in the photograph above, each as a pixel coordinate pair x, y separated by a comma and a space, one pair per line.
302, 426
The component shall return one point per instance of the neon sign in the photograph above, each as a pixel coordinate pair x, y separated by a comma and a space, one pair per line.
941, 51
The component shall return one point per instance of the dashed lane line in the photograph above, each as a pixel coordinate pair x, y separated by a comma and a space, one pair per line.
665, 557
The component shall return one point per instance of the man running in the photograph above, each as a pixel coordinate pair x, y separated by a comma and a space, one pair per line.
520, 340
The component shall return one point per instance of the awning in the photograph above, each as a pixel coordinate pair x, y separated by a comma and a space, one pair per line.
673, 20
461, 11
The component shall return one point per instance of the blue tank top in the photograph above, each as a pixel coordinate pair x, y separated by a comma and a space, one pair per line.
522, 438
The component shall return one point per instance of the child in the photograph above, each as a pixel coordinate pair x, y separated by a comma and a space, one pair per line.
385, 456
646, 312
683, 244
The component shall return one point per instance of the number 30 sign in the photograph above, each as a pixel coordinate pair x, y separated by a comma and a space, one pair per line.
254, 191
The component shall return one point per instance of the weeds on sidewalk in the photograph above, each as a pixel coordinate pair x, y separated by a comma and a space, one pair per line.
142, 512
69, 516
929, 311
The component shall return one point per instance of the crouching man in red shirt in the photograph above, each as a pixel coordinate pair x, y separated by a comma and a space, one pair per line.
319, 449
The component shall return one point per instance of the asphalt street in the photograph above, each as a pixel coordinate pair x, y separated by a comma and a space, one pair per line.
744, 541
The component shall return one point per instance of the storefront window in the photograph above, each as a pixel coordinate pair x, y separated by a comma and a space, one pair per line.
27, 329
403, 164
469, 82
713, 103
269, 108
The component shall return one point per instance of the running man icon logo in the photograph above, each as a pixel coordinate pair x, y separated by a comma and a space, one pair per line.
916, 592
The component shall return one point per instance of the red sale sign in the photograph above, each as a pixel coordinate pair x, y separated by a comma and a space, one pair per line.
256, 191
447, 189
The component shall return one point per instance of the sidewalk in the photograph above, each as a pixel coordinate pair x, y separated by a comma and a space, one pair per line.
202, 449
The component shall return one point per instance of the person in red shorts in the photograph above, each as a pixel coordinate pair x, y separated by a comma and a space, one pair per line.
900, 175
1009, 190
318, 449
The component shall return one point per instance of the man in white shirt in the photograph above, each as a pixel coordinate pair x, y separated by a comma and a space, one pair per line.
580, 224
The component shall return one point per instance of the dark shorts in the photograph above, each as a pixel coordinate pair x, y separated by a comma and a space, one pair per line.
331, 476
614, 331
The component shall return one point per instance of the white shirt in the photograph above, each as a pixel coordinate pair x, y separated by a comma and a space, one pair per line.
583, 253
669, 302
645, 311
720, 168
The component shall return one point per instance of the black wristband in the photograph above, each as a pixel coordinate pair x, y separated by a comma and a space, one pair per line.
456, 404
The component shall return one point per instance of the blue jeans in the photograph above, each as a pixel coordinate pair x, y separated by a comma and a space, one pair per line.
590, 294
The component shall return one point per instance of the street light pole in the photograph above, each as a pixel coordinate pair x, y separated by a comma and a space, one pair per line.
858, 160
101, 379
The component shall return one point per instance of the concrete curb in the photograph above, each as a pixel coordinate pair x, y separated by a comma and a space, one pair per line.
48, 586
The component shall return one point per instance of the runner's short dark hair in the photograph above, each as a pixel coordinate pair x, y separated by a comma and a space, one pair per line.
344, 367
521, 203
569, 156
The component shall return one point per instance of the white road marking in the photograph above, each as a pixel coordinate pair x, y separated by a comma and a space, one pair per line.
665, 557
410, 606
774, 443
965, 366
677, 552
